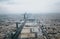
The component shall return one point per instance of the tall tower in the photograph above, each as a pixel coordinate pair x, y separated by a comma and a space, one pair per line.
25, 16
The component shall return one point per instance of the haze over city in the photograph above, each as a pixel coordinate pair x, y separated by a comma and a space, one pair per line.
29, 19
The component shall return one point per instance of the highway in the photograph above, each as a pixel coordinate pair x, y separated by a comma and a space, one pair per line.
44, 30
18, 31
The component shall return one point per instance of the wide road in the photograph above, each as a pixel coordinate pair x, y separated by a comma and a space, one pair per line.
43, 30
18, 31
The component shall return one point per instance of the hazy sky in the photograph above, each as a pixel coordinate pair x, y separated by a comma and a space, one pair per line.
30, 6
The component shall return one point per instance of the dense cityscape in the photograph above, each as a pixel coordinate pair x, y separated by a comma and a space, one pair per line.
30, 26
29, 19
